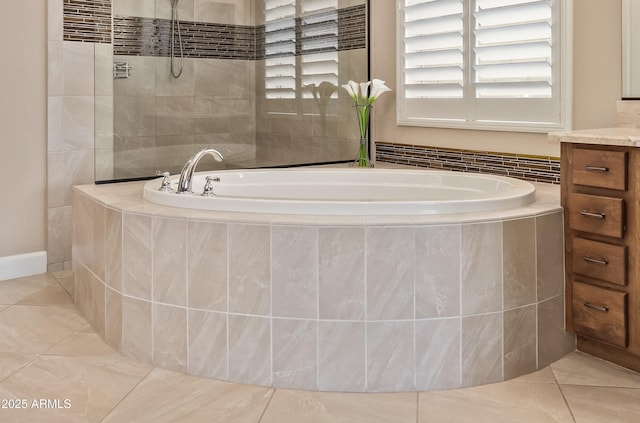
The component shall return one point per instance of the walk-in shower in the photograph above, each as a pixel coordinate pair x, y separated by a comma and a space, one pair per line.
258, 81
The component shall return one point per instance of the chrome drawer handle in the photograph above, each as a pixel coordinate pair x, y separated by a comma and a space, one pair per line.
596, 261
597, 168
587, 213
595, 307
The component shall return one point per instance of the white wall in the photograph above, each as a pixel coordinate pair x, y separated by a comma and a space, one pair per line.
23, 127
596, 83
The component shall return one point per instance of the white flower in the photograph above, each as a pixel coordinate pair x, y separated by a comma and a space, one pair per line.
378, 88
364, 88
352, 89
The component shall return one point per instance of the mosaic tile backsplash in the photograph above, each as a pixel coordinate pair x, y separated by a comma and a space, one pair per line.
87, 20
531, 168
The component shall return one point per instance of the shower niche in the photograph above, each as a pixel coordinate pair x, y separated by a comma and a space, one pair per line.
259, 80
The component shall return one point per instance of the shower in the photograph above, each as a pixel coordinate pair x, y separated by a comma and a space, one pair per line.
176, 70
238, 76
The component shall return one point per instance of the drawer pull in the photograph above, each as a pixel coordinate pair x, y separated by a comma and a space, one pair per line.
596, 261
595, 307
597, 168
587, 213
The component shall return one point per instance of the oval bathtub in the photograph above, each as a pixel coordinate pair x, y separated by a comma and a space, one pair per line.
349, 192
407, 299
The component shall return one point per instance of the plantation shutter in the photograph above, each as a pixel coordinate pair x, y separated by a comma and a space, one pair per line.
280, 49
486, 64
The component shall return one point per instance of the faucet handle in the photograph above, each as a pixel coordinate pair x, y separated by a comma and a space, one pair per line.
208, 186
165, 185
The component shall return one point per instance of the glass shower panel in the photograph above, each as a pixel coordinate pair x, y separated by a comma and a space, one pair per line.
260, 83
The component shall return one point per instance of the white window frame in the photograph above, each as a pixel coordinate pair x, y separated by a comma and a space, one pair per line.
418, 112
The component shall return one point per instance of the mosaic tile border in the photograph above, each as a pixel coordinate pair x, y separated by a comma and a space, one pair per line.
87, 21
136, 36
521, 166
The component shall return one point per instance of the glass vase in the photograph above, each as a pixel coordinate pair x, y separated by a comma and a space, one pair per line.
363, 159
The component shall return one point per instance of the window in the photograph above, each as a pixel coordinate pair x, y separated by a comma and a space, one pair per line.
301, 54
484, 64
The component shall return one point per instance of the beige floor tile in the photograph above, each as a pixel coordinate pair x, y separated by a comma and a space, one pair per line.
582, 369
327, 407
541, 376
35, 329
51, 295
91, 386
3, 307
591, 404
166, 396
12, 362
506, 402
82, 344
15, 290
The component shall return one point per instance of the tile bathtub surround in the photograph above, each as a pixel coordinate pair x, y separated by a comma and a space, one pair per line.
79, 366
530, 168
317, 306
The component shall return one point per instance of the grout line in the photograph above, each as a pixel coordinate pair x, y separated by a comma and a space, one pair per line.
266, 406
124, 397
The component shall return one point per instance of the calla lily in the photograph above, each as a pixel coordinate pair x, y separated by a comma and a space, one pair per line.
364, 88
352, 89
378, 88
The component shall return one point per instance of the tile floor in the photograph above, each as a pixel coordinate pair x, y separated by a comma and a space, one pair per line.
58, 368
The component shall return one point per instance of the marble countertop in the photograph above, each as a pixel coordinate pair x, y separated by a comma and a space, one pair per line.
626, 137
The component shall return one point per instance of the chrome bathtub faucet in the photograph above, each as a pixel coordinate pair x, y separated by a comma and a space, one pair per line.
186, 175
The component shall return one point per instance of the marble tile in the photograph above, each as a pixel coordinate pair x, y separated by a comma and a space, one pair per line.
207, 257
481, 349
15, 290
82, 344
294, 272
212, 77
390, 356
136, 329
390, 281
518, 262
590, 404
142, 8
520, 343
134, 116
142, 78
136, 255
78, 122
103, 69
166, 85
185, 10
341, 273
92, 386
215, 11
83, 236
341, 356
481, 261
113, 248
581, 369
53, 295
437, 271
550, 255
83, 291
498, 403
295, 358
165, 396
327, 407
113, 319
170, 337
553, 341
13, 362
55, 19
78, 65
35, 329
437, 354
170, 261
99, 241
208, 344
97, 317
541, 376
104, 122
249, 269
55, 68
250, 349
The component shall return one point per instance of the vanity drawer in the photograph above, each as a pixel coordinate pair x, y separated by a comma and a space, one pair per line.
596, 214
599, 168
600, 313
600, 261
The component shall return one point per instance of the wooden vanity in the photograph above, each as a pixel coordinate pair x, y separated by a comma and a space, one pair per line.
600, 192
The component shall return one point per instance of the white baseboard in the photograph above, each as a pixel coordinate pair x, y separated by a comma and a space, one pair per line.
22, 265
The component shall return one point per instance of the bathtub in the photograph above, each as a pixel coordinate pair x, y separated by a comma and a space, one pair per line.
414, 293
349, 192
